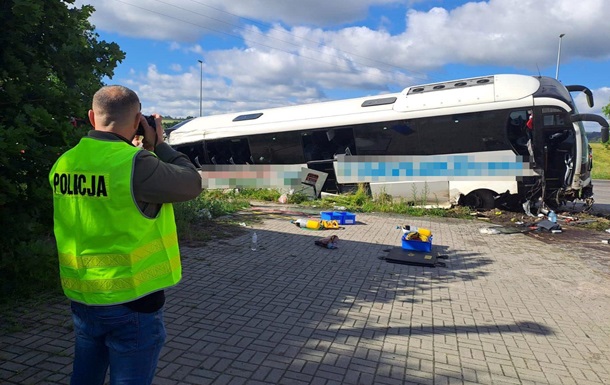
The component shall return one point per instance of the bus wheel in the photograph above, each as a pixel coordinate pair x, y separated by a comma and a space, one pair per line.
480, 199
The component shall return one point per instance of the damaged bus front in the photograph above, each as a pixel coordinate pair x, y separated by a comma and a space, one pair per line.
557, 147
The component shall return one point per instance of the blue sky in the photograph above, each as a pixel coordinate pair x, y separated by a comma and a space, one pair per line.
269, 53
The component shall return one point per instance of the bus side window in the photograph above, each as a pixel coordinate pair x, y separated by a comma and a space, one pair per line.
260, 150
343, 141
277, 148
557, 126
219, 152
374, 139
240, 151
517, 132
211, 150
195, 153
309, 148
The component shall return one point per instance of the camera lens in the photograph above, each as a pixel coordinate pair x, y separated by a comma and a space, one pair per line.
151, 122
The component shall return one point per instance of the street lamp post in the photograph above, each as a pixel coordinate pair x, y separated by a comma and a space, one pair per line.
559, 56
200, 85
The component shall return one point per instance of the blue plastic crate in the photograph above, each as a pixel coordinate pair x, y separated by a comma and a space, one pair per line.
417, 245
330, 216
348, 219
342, 217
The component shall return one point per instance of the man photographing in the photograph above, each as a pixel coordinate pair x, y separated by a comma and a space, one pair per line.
116, 238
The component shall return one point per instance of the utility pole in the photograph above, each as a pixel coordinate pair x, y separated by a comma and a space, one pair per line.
200, 86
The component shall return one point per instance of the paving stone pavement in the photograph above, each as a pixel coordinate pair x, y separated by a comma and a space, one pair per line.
506, 309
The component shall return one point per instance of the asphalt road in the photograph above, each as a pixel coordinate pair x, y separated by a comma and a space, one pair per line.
601, 194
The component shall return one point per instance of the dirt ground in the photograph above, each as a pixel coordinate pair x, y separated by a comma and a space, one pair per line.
237, 224
578, 229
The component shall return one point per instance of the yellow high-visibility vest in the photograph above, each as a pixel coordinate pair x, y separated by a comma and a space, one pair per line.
109, 252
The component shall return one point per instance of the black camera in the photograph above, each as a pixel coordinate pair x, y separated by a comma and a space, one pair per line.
151, 122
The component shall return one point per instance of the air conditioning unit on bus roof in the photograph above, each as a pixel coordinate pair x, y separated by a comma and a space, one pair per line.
463, 92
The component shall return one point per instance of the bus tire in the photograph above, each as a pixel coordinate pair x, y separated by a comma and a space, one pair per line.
480, 199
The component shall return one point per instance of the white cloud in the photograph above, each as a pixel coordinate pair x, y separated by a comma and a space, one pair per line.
601, 97
186, 20
181, 20
195, 49
496, 31
307, 54
499, 33
310, 12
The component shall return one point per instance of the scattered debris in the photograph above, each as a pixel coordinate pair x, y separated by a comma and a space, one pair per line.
316, 224
489, 230
581, 222
401, 256
545, 224
328, 242
480, 216
526, 209
504, 230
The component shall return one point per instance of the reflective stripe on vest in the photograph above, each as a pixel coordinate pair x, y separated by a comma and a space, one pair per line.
116, 260
121, 284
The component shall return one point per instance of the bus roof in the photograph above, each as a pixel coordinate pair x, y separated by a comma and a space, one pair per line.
415, 100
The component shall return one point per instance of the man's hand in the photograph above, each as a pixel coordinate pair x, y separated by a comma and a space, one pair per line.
152, 137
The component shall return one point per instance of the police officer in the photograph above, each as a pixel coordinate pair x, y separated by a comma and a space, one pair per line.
116, 238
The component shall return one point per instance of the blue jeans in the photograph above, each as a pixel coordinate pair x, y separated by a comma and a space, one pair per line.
114, 336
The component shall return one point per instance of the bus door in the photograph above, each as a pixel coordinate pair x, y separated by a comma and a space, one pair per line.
554, 147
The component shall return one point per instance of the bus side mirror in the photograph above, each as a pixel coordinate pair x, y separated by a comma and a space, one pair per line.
593, 118
584, 89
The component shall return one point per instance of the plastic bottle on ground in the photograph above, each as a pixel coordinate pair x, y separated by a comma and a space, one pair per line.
552, 216
254, 244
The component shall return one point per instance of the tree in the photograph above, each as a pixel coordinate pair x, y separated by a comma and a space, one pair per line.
606, 110
50, 66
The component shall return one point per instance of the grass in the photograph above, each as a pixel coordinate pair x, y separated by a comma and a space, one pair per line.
601, 161
167, 123
361, 201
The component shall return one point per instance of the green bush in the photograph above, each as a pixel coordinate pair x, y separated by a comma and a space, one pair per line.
197, 218
50, 67
33, 272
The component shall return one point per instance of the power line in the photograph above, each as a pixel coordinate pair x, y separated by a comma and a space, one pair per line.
270, 37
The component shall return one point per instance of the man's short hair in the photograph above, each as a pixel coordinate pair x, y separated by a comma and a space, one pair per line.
115, 104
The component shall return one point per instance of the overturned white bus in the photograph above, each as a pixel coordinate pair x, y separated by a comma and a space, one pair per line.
482, 142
